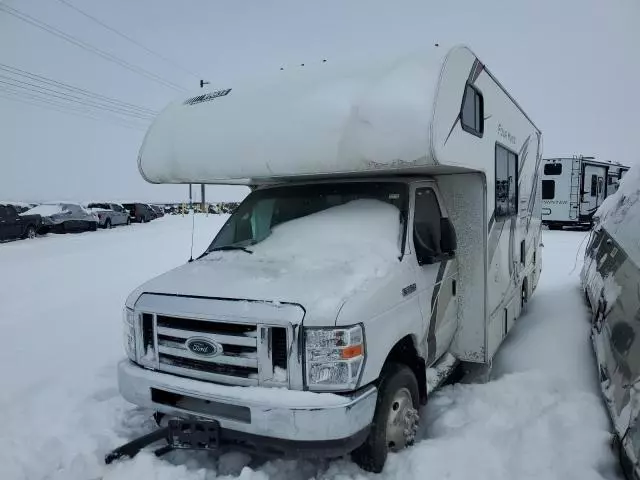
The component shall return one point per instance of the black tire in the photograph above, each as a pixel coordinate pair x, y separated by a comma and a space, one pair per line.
372, 455
107, 224
30, 232
128, 220
524, 297
555, 226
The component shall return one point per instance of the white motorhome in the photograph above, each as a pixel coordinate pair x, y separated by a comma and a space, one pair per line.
392, 231
574, 187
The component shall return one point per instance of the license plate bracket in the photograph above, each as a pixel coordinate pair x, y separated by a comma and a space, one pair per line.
194, 434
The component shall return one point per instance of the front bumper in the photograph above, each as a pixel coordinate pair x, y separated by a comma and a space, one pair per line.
303, 422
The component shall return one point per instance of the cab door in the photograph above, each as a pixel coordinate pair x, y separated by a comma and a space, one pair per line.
436, 272
593, 188
10, 222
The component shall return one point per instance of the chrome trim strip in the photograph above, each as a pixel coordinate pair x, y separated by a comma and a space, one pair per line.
209, 377
218, 359
243, 341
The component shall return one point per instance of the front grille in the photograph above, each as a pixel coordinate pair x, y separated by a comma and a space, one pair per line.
279, 347
251, 354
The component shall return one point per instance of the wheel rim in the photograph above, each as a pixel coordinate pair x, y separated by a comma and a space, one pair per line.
402, 422
31, 233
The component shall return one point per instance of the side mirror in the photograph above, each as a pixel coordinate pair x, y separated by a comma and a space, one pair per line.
448, 238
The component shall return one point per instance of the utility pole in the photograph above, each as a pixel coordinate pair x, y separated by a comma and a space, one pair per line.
203, 205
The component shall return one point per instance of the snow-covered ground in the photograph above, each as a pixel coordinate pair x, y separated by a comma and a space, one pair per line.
540, 417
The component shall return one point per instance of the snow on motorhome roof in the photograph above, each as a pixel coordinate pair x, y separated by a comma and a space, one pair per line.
619, 214
305, 121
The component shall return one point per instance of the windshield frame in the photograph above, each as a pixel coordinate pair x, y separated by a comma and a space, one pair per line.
256, 195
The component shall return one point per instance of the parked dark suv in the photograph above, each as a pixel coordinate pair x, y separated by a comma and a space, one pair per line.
139, 212
13, 225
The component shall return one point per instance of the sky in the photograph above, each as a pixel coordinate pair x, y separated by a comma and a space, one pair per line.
572, 65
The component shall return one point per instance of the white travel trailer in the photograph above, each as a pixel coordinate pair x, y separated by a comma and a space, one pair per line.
574, 187
392, 231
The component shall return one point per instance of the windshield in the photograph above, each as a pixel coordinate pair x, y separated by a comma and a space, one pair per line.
254, 220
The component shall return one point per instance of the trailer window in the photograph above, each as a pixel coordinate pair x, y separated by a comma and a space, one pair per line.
472, 112
553, 169
548, 189
506, 182
594, 185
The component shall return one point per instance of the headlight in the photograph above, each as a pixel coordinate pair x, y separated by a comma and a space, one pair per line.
334, 357
129, 333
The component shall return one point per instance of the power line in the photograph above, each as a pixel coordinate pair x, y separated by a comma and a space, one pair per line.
54, 106
70, 98
65, 86
67, 108
128, 38
88, 47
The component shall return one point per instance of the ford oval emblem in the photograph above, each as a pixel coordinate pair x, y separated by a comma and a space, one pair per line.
204, 347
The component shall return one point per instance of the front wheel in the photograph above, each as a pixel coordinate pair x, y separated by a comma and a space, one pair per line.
395, 422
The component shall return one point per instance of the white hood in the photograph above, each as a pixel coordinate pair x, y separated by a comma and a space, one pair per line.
318, 262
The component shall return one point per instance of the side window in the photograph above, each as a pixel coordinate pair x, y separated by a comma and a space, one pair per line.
548, 189
553, 169
472, 112
600, 185
426, 222
10, 211
506, 182
594, 185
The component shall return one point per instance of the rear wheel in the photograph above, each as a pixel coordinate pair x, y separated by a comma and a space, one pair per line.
395, 422
31, 232
107, 224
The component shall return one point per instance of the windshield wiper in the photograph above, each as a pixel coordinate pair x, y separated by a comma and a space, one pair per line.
230, 247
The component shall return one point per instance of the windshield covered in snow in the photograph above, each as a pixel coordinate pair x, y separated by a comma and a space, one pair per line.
47, 210
264, 210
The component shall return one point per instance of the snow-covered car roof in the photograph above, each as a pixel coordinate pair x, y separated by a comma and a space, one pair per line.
46, 210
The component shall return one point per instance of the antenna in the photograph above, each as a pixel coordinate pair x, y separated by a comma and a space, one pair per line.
193, 220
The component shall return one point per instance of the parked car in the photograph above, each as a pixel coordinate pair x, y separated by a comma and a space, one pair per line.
110, 214
139, 212
13, 225
159, 211
64, 217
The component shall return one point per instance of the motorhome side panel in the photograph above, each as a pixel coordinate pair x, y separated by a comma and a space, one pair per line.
506, 146
465, 197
